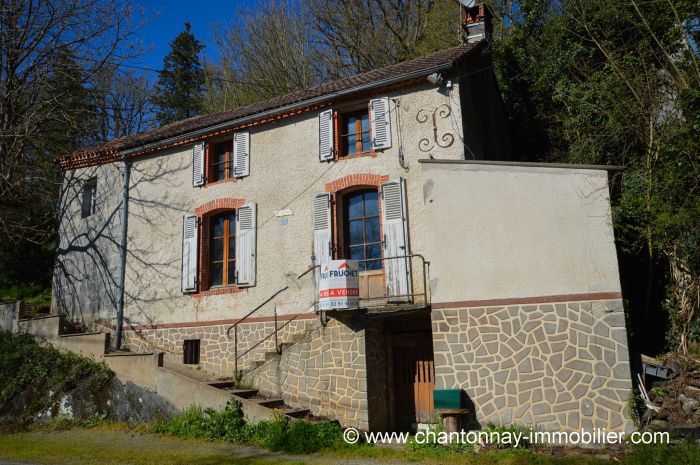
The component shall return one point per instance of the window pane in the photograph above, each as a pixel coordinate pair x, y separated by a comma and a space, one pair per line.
357, 253
365, 132
355, 233
218, 226
232, 224
217, 274
371, 203
217, 250
374, 251
355, 209
231, 247
372, 229
231, 272
352, 134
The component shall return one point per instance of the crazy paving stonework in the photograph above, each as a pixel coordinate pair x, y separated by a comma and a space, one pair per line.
561, 366
216, 348
325, 372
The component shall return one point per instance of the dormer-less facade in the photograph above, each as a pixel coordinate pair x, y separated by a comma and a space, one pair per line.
203, 239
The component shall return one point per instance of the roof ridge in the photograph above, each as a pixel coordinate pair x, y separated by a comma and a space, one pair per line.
200, 122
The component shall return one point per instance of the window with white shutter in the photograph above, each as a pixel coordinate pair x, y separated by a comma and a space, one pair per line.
198, 164
397, 270
380, 121
326, 147
241, 154
190, 237
322, 226
246, 245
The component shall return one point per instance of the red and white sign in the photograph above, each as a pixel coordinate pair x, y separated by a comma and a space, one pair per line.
339, 286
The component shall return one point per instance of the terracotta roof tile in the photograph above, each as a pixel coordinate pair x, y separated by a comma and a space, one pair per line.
179, 128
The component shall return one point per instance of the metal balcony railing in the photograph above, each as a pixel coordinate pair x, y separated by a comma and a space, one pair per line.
417, 293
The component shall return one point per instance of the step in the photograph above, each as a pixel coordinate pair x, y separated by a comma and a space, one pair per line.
271, 356
297, 412
245, 393
270, 403
223, 384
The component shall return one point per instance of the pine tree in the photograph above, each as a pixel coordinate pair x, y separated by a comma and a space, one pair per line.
181, 81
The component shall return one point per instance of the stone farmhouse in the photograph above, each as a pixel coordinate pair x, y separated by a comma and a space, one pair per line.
203, 240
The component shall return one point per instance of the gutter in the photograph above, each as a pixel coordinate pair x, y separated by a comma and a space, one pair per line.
122, 255
294, 106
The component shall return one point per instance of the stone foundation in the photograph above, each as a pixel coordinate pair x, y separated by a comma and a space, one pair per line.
562, 366
216, 349
325, 372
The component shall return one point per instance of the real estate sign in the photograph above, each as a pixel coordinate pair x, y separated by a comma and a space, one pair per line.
339, 285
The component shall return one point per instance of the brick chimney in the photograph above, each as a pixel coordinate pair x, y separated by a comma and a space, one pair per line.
475, 20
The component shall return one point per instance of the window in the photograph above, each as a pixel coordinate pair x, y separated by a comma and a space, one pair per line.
363, 239
220, 161
222, 258
190, 350
87, 205
355, 133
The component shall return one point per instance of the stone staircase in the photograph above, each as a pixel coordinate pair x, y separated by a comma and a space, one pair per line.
181, 385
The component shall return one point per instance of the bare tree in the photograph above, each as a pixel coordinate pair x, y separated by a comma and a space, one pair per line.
48, 50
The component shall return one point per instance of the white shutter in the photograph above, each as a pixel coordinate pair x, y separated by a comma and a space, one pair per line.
241, 154
189, 253
381, 123
322, 225
245, 245
397, 270
326, 150
198, 164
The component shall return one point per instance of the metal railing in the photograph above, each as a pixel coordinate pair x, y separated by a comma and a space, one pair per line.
418, 273
419, 297
274, 333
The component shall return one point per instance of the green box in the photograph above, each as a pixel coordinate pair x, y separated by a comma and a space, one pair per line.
448, 399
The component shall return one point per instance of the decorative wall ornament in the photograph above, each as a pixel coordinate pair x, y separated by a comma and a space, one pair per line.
445, 140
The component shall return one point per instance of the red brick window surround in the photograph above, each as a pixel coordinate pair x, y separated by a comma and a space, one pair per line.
205, 213
339, 188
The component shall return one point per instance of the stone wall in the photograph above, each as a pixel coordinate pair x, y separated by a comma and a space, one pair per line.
216, 349
325, 372
9, 316
554, 366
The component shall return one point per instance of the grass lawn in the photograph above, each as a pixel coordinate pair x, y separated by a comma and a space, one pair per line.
116, 444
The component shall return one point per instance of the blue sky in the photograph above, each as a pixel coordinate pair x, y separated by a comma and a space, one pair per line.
164, 20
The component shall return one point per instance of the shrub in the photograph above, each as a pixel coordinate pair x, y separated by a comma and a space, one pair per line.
279, 434
24, 364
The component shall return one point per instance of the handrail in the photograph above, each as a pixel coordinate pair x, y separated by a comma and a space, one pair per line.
235, 325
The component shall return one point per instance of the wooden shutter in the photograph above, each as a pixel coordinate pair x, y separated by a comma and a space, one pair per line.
241, 154
326, 149
323, 229
397, 270
381, 123
190, 225
198, 164
246, 225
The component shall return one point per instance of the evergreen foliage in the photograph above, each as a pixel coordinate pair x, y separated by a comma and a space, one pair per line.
178, 94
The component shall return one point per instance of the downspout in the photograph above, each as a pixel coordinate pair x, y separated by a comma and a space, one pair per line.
122, 254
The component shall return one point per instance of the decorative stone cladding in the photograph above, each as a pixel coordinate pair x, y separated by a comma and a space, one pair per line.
216, 349
562, 366
325, 372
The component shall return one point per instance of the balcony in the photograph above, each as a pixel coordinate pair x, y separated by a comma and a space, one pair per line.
402, 283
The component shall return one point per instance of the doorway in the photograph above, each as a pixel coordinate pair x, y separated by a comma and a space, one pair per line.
413, 378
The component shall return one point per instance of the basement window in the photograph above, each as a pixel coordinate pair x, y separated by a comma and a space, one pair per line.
191, 351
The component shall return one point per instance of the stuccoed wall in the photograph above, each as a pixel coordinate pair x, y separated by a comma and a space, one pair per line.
527, 311
518, 231
285, 174
87, 256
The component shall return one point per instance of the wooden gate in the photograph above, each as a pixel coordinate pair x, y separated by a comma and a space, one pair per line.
414, 379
